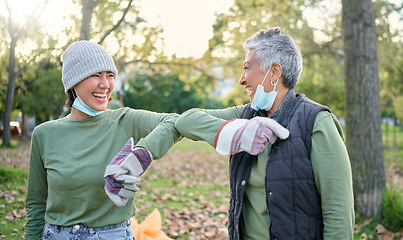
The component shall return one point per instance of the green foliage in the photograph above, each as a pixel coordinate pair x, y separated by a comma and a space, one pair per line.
392, 206
365, 229
161, 93
390, 55
45, 95
328, 90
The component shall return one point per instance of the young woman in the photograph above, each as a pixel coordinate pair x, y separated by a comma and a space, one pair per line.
70, 194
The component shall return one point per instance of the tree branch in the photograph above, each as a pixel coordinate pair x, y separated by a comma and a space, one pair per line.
117, 24
34, 16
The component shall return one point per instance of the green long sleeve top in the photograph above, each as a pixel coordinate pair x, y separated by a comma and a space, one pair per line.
68, 160
330, 161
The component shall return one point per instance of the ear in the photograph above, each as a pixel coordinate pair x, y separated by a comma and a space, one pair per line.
277, 70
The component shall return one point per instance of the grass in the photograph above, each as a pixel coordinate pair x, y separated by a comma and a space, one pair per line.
187, 145
12, 202
14, 143
392, 207
392, 204
189, 187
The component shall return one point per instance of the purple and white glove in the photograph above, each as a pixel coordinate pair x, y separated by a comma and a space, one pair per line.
123, 172
249, 135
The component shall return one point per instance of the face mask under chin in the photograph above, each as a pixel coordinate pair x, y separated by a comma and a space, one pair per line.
80, 105
263, 100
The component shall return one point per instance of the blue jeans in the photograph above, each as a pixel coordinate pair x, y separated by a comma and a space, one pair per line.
121, 231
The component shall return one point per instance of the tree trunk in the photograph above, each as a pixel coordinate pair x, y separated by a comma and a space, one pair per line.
10, 92
24, 127
363, 118
88, 7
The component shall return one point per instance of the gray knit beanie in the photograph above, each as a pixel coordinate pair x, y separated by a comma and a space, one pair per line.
83, 59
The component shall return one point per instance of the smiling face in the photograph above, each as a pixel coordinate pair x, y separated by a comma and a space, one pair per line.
252, 75
96, 90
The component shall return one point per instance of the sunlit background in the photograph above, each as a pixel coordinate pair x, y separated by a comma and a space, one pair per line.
185, 29
187, 24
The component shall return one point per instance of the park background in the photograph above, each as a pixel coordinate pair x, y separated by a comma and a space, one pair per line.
173, 55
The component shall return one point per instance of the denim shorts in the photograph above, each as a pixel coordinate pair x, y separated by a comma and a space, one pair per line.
121, 231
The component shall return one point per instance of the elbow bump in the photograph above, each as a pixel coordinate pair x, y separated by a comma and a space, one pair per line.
183, 118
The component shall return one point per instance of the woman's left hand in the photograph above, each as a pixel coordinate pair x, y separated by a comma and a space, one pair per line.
122, 174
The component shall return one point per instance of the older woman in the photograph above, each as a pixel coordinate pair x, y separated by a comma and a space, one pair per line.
81, 181
297, 186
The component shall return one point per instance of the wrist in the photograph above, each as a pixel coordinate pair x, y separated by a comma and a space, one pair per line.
144, 157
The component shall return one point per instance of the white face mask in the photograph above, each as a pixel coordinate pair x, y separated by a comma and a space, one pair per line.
263, 100
80, 105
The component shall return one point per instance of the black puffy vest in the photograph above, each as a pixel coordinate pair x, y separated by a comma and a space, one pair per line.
292, 198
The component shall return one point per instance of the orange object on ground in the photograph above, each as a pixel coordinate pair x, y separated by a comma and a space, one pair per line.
150, 228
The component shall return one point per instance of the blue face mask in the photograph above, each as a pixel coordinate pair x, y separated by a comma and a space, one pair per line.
80, 105
263, 100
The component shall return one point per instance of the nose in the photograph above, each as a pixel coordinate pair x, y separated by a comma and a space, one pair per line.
104, 83
242, 81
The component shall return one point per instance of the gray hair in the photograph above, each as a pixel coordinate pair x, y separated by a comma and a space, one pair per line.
276, 46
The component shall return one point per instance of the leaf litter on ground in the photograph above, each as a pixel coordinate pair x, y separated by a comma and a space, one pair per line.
192, 194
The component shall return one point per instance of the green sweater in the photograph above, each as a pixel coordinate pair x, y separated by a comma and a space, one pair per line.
330, 163
68, 160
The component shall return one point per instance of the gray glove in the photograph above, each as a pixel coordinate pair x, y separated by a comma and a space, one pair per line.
251, 136
122, 174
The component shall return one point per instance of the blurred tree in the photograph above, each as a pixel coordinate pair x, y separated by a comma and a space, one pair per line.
104, 8
390, 55
163, 93
116, 26
38, 46
3, 64
143, 54
193, 75
363, 118
87, 9
45, 87
322, 78
16, 31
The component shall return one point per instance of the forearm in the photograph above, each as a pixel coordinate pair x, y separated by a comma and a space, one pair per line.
198, 125
203, 125
162, 136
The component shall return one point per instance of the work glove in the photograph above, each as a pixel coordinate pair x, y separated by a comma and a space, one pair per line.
249, 135
123, 172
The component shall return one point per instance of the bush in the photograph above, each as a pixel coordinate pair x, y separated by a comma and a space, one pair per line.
392, 207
